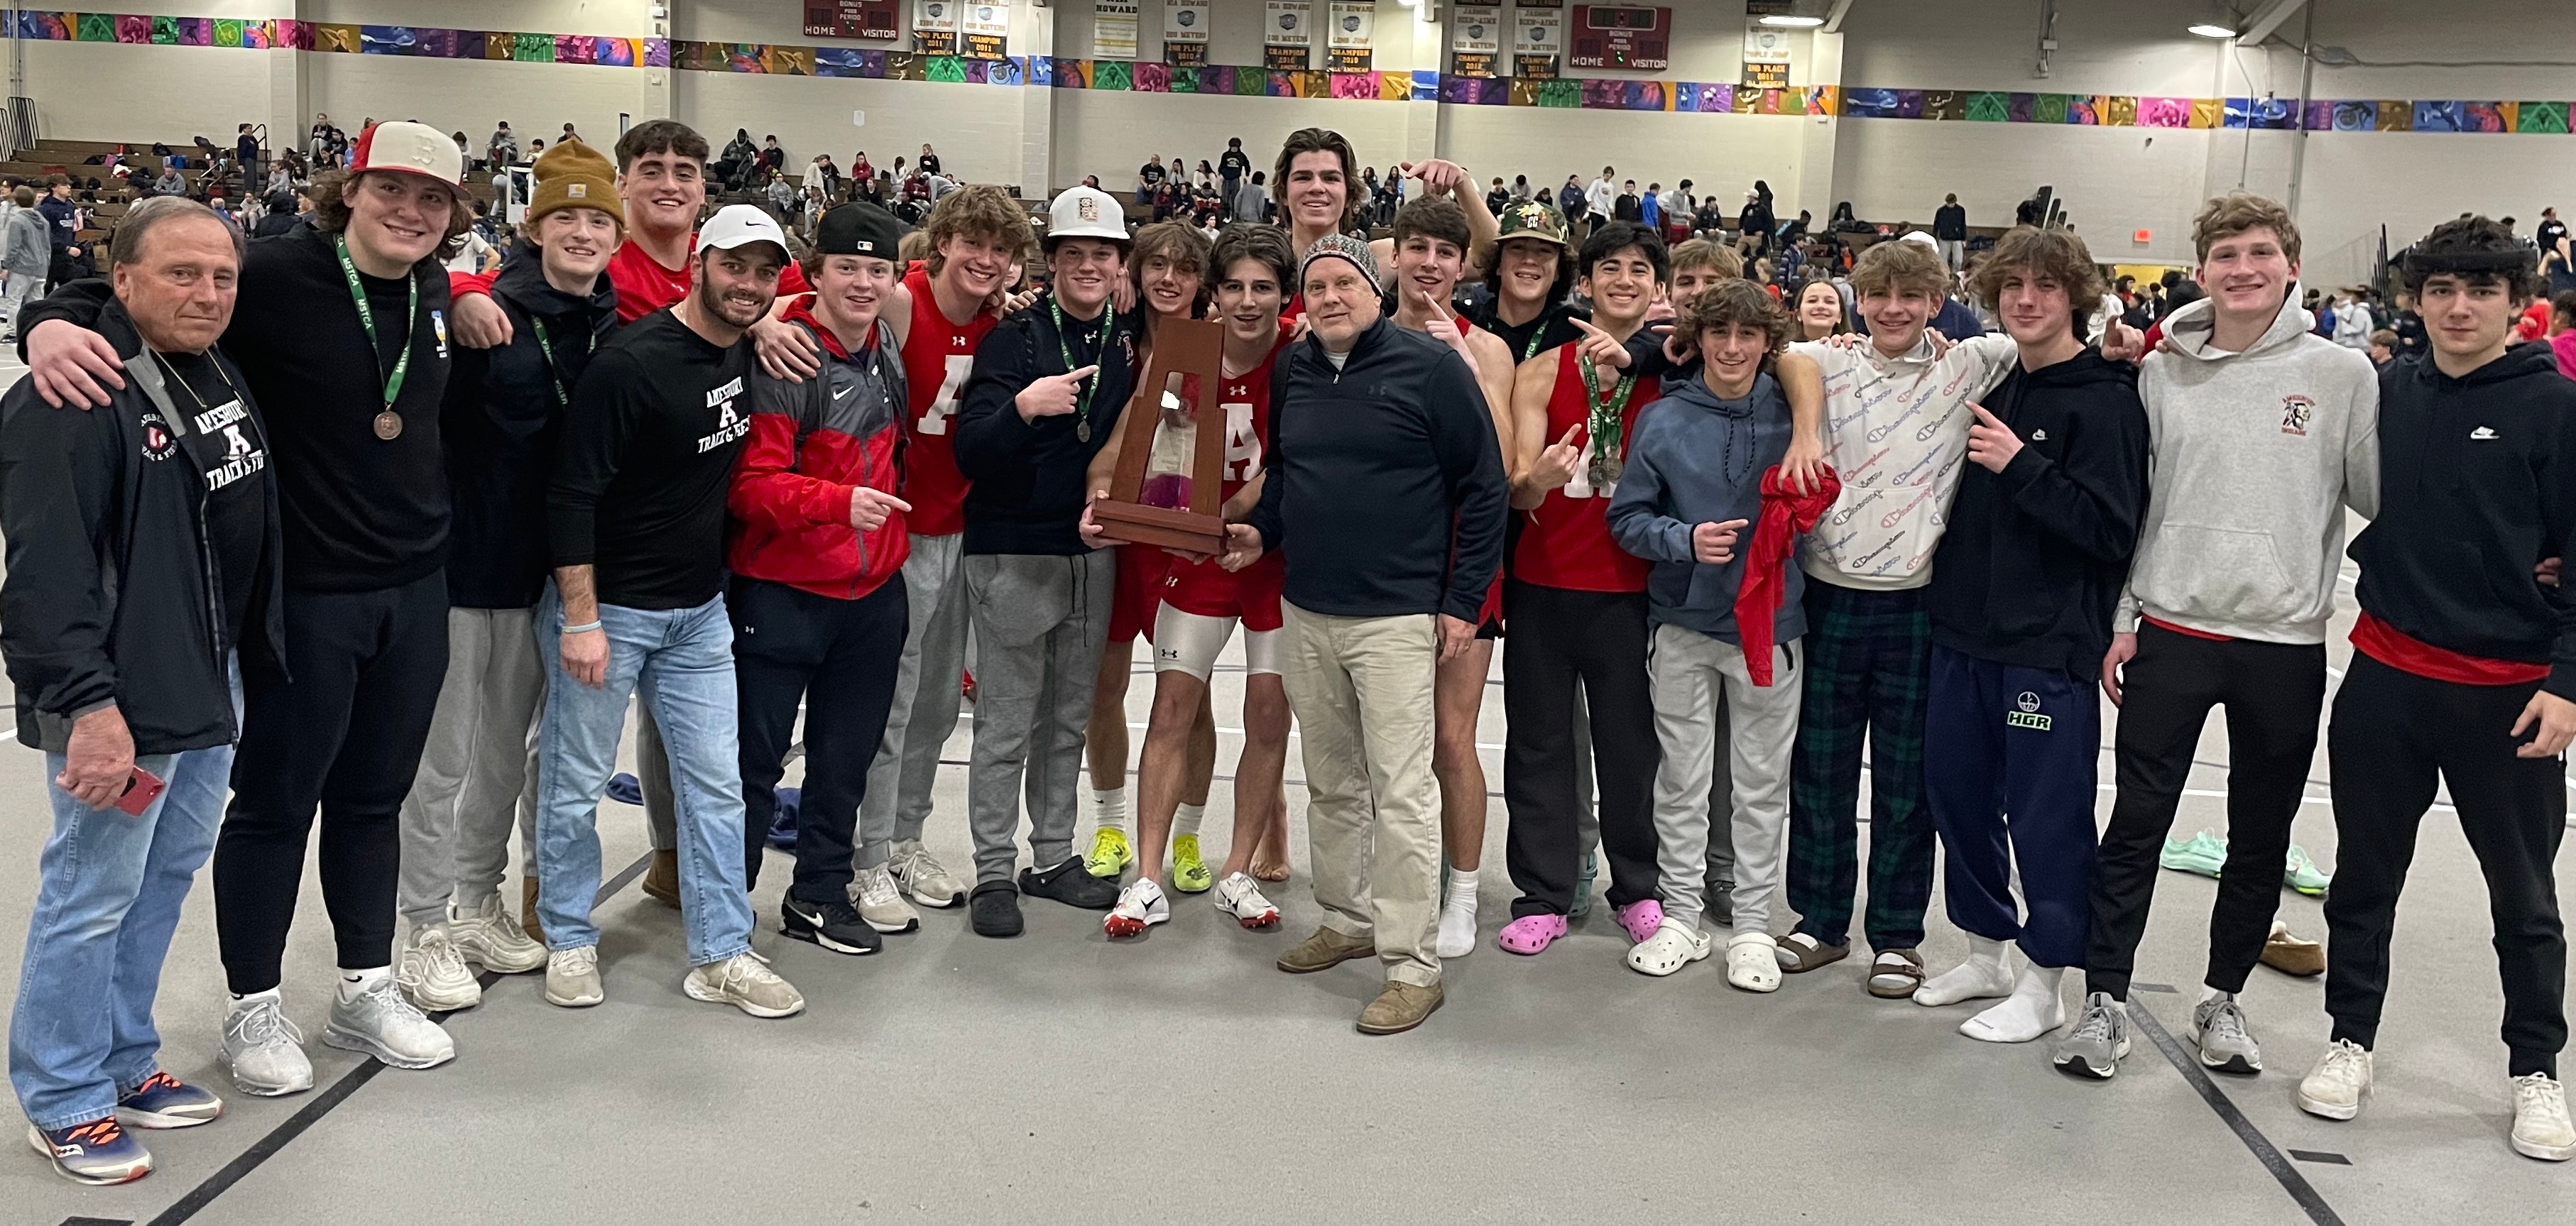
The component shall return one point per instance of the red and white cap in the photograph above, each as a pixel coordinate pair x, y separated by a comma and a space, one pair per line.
411, 148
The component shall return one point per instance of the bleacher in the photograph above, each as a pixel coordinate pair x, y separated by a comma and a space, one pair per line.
71, 158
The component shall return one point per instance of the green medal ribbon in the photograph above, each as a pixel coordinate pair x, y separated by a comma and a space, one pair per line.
1606, 412
1109, 321
554, 371
367, 319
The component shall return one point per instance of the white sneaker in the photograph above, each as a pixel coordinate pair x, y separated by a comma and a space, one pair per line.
1457, 937
379, 1022
923, 877
1673, 946
572, 977
2540, 1125
745, 982
264, 1051
1753, 962
1140, 906
490, 935
2335, 1087
872, 891
1240, 896
433, 975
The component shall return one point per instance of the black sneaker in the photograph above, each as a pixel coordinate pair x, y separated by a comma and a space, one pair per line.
994, 908
1071, 884
1718, 905
834, 925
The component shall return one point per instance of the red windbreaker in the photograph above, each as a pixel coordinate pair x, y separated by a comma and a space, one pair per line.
811, 445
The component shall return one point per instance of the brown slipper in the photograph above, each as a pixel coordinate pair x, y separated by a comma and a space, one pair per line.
2292, 956
1799, 953
1895, 973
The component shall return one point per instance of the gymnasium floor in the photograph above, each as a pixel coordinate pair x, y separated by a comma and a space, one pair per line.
1183, 1079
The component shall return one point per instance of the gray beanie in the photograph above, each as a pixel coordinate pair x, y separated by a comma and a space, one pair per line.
1339, 246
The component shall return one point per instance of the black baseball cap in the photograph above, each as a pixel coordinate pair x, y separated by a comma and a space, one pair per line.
858, 228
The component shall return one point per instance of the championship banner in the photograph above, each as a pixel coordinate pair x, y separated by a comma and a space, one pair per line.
1113, 29
1185, 33
1475, 40
1287, 35
875, 19
934, 27
985, 29
1619, 36
1538, 40
1766, 57
1354, 27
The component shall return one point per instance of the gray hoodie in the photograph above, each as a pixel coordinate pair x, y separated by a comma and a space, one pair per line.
2256, 455
1695, 459
26, 243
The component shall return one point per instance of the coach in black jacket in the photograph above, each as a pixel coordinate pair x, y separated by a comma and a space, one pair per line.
1387, 493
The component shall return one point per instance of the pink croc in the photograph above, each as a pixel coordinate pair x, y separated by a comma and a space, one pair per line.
1530, 933
1641, 918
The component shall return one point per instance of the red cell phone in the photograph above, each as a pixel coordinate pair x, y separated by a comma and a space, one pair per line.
140, 790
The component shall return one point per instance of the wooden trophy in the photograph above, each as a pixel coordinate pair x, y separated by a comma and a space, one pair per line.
1182, 347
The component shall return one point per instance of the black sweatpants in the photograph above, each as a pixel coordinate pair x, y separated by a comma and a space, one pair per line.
2272, 692
346, 734
2393, 733
837, 657
1562, 637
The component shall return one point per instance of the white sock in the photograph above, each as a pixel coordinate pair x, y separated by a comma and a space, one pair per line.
1109, 808
243, 1004
2034, 1008
1983, 974
1462, 891
1457, 934
354, 983
1186, 819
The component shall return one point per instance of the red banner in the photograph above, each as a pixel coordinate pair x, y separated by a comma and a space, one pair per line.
1620, 36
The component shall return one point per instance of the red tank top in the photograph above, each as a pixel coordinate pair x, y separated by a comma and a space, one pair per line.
937, 357
1567, 541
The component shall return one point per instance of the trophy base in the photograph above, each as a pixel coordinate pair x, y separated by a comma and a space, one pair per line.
1168, 527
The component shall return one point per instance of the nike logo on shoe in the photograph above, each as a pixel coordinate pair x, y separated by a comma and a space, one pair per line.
2482, 433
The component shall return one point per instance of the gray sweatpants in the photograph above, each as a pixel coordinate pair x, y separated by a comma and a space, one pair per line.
926, 694
456, 820
1695, 677
1040, 623
1721, 789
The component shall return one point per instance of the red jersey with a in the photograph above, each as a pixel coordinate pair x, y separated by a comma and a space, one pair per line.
1566, 543
937, 357
1206, 588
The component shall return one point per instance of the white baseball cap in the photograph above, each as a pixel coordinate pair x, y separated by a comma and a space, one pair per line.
1918, 236
410, 148
735, 225
1086, 212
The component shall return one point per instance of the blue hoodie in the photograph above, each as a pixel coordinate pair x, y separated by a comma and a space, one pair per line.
1695, 459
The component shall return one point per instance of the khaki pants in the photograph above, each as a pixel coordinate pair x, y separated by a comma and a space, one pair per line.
1361, 690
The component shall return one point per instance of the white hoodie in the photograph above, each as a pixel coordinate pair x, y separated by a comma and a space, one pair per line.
2256, 455
1896, 431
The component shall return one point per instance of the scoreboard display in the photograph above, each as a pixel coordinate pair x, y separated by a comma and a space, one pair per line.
1620, 36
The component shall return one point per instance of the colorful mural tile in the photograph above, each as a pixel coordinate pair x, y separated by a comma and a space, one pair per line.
1152, 77
1986, 106
1944, 104
1112, 74
2549, 117
2164, 112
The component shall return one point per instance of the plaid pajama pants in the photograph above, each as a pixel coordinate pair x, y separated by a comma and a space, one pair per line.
1868, 673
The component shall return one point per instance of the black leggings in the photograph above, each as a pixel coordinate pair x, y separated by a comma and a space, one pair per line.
346, 734
839, 658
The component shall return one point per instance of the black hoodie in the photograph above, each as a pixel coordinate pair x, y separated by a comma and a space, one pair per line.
2034, 557
1030, 476
502, 420
2477, 485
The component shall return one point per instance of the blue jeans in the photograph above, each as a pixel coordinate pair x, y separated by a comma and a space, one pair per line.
106, 903
682, 660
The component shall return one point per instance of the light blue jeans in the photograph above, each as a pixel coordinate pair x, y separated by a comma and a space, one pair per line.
106, 904
682, 662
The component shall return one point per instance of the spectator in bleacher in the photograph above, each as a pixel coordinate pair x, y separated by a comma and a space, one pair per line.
568, 134
26, 242
1252, 200
929, 158
246, 149
464, 149
171, 183
284, 210
315, 143
503, 148
63, 216
773, 160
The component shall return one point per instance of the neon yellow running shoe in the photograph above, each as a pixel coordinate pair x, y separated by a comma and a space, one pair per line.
1109, 854
1189, 873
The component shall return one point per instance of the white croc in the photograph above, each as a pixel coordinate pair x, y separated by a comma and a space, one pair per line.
1753, 962
1673, 947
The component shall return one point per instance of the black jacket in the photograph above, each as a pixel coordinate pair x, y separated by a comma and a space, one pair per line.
2034, 558
1386, 487
501, 423
1029, 476
2477, 485
1950, 223
110, 594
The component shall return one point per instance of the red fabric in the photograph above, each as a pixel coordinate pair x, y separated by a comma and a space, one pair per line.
2182, 630
1785, 514
643, 284
1138, 591
2534, 324
937, 355
2406, 653
1205, 588
1566, 541
2564, 345
2155, 333
789, 501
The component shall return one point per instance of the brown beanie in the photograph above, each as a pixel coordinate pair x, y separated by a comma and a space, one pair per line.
572, 175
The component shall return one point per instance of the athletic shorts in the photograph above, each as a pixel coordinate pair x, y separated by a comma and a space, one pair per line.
1189, 642
1139, 589
1210, 590
1489, 620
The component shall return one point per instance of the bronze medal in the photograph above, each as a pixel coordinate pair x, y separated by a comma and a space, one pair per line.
1605, 470
389, 425
1082, 430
